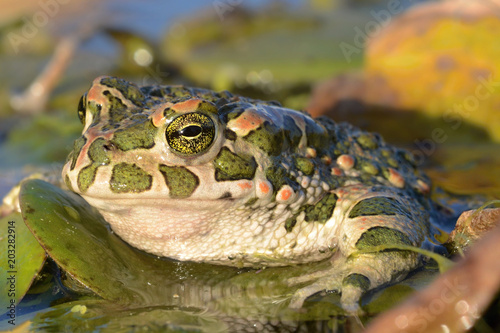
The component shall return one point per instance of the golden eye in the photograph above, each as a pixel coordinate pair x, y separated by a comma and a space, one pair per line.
190, 133
82, 108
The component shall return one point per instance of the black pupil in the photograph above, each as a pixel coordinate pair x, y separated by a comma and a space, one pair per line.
190, 131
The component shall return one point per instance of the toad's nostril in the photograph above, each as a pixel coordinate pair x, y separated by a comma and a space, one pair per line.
109, 146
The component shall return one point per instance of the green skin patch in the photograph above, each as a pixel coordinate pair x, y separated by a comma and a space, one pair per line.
95, 110
179, 92
139, 135
385, 236
86, 177
320, 212
230, 166
127, 178
230, 135
381, 236
290, 223
369, 168
305, 165
357, 280
98, 154
117, 111
279, 176
129, 91
368, 141
390, 158
168, 112
291, 132
273, 139
67, 181
180, 181
267, 138
376, 206
342, 147
230, 112
207, 107
251, 201
77, 147
316, 135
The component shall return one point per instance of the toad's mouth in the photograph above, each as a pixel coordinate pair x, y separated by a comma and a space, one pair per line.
120, 203
103, 187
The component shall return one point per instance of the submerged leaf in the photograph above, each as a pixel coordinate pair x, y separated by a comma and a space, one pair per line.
95, 315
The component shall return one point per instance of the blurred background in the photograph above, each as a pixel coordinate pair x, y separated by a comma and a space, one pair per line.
425, 74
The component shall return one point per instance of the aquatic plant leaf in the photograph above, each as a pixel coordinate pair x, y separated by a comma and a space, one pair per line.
79, 240
21, 260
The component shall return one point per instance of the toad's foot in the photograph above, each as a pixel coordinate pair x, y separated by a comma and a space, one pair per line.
354, 276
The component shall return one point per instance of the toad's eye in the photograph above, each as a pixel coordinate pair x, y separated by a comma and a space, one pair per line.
82, 110
191, 133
